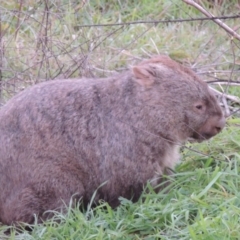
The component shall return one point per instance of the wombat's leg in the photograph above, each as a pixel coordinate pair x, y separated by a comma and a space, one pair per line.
21, 207
36, 200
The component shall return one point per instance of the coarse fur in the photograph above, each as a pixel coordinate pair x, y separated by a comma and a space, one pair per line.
65, 138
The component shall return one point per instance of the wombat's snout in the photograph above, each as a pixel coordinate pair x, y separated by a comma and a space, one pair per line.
220, 125
212, 127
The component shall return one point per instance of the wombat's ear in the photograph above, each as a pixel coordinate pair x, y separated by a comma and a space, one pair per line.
143, 75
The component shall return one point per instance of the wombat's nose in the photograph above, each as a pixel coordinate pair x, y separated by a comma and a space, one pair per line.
218, 129
220, 125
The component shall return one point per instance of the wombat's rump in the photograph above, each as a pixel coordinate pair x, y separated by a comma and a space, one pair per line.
67, 137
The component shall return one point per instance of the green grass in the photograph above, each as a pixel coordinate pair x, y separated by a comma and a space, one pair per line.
203, 201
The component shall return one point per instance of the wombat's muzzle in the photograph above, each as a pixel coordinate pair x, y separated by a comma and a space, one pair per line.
212, 127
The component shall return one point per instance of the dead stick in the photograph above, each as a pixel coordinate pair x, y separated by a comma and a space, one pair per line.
228, 96
219, 22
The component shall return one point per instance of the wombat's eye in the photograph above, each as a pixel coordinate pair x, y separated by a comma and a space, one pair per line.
199, 107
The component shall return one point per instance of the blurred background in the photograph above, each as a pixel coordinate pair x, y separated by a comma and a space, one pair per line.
43, 40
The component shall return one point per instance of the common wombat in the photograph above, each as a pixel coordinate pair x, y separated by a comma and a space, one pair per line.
67, 137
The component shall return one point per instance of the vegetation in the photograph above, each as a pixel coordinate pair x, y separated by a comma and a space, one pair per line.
44, 39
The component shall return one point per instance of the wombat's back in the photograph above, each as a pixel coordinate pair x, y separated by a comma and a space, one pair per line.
65, 138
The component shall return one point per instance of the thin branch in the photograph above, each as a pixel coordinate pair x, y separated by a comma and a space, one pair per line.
224, 82
226, 107
18, 18
234, 63
228, 96
46, 47
218, 21
156, 21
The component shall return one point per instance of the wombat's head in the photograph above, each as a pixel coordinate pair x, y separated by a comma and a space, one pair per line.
187, 101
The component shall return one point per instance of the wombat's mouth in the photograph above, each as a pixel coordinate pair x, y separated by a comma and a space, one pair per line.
198, 137
193, 140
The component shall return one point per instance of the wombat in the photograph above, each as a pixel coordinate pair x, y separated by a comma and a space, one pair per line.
65, 138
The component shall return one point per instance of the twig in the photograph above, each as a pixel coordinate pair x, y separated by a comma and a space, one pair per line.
226, 107
234, 63
219, 22
47, 25
226, 82
18, 18
230, 97
156, 21
224, 98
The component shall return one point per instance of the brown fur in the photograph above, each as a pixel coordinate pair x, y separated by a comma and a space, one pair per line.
67, 137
